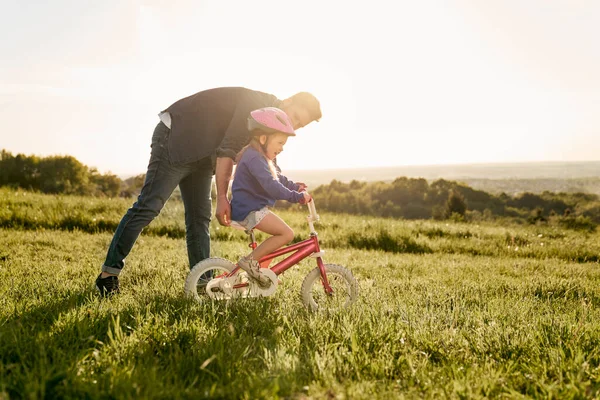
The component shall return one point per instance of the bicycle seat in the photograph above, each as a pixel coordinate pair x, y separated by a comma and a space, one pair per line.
250, 232
235, 225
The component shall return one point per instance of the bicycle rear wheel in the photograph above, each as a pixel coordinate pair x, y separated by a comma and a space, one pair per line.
341, 280
204, 272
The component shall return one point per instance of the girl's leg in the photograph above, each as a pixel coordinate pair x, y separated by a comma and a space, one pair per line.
282, 235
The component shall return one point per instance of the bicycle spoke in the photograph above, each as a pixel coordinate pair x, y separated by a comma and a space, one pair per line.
338, 298
207, 277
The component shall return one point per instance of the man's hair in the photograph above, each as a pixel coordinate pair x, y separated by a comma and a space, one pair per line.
309, 102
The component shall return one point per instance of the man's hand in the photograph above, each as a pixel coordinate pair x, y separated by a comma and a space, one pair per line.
302, 186
222, 177
223, 211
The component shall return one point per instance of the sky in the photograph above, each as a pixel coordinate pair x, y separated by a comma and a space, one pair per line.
400, 82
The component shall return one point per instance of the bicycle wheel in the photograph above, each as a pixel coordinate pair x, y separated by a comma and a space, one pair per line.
341, 280
203, 273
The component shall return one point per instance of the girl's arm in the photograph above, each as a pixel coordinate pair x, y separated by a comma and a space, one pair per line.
259, 168
284, 180
288, 183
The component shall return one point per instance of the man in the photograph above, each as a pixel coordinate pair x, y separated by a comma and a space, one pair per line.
197, 136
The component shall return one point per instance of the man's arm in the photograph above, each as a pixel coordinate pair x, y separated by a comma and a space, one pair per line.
223, 172
235, 138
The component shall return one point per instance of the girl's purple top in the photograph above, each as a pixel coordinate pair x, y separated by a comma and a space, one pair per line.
254, 186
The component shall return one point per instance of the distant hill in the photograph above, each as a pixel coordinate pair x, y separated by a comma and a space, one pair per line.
583, 176
510, 178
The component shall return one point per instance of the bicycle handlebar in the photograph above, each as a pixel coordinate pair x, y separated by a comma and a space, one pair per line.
313, 217
313, 211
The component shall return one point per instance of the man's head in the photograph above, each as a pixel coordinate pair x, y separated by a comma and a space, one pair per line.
302, 108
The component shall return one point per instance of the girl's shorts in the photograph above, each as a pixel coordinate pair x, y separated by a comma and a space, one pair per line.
254, 218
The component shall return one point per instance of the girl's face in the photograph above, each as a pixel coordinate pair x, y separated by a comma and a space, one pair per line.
274, 144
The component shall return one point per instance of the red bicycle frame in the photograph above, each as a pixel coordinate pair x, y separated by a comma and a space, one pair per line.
302, 250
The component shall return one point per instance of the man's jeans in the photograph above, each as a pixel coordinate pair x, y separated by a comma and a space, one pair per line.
194, 180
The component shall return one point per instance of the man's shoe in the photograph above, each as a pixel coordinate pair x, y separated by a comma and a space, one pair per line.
252, 268
107, 286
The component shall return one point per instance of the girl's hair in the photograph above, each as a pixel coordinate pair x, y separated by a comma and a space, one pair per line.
255, 144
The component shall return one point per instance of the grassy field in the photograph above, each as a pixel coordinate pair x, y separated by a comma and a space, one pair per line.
453, 310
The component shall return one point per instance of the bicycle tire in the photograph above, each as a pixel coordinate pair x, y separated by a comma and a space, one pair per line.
209, 264
315, 298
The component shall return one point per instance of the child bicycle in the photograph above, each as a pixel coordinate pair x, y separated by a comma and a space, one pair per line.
337, 288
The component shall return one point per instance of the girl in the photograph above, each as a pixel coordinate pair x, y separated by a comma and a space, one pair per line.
258, 183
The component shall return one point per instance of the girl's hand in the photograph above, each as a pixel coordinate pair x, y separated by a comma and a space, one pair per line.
301, 186
307, 198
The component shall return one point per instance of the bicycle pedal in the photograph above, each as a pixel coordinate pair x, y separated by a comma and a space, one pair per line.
256, 290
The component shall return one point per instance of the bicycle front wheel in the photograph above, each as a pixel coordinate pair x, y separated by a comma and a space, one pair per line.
341, 280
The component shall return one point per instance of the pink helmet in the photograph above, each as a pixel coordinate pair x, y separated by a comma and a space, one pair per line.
270, 120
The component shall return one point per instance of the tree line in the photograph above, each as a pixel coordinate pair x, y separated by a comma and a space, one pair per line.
409, 198
62, 174
416, 198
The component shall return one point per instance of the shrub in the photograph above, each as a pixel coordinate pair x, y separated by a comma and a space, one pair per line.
579, 223
456, 204
386, 242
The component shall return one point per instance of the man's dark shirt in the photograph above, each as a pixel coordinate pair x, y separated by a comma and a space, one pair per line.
213, 123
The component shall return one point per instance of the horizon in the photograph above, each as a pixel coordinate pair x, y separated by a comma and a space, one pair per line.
294, 172
416, 166
423, 84
458, 164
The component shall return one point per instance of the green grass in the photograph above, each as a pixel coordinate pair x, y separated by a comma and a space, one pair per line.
29, 211
451, 310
